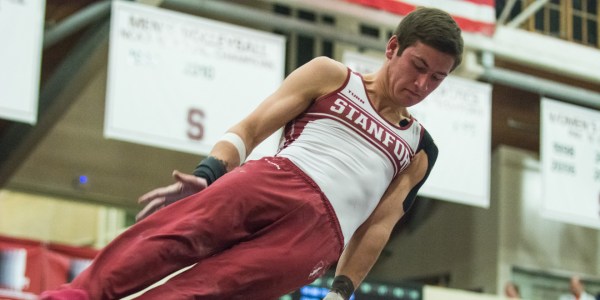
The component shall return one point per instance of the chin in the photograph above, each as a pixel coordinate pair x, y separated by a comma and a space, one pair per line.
413, 102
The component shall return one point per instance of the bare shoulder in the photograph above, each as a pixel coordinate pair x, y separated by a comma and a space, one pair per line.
323, 74
328, 67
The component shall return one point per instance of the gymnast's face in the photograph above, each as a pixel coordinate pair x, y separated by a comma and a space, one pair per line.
416, 72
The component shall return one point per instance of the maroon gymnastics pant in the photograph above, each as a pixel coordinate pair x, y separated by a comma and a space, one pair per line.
260, 231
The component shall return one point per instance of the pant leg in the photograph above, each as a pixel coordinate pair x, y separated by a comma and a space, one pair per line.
230, 211
170, 239
293, 251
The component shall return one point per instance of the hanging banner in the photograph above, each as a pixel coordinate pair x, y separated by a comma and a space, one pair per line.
21, 32
458, 114
570, 155
178, 81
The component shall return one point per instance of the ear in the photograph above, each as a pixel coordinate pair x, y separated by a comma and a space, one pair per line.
392, 47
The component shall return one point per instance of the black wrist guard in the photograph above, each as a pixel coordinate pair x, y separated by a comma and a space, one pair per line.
210, 169
343, 286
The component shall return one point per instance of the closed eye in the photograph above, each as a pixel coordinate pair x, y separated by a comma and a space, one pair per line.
420, 66
438, 77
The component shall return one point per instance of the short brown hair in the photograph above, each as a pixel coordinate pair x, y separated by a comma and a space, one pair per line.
432, 27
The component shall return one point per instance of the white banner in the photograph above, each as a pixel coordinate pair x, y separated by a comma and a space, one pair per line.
458, 116
21, 32
178, 82
570, 155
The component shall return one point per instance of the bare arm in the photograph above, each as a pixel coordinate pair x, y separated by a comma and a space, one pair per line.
368, 241
316, 78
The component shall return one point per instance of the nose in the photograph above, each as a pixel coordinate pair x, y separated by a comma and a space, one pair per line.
422, 82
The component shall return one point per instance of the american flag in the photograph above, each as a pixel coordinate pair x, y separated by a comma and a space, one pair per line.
474, 16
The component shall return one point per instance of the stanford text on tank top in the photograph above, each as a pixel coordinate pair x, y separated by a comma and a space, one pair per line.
349, 150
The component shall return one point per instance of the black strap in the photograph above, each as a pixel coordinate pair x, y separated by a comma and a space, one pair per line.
428, 145
210, 169
343, 286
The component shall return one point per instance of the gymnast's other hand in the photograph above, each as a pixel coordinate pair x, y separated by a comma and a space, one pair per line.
185, 185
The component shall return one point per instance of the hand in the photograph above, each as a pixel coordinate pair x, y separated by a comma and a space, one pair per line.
156, 199
333, 296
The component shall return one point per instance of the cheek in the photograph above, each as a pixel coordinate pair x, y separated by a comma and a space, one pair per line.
434, 85
404, 80
402, 72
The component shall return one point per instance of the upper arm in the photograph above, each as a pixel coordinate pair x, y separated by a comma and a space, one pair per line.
316, 78
369, 239
402, 192
310, 81
390, 207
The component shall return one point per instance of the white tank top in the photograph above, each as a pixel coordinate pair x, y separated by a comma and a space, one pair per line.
349, 150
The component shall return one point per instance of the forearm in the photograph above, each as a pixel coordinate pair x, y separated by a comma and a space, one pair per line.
362, 252
368, 241
228, 153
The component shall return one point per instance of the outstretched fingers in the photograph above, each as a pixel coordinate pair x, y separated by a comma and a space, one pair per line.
184, 186
161, 192
189, 180
150, 208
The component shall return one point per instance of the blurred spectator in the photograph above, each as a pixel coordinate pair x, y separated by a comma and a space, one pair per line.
577, 291
511, 290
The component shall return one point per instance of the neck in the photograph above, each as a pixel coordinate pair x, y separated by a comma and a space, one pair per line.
376, 86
